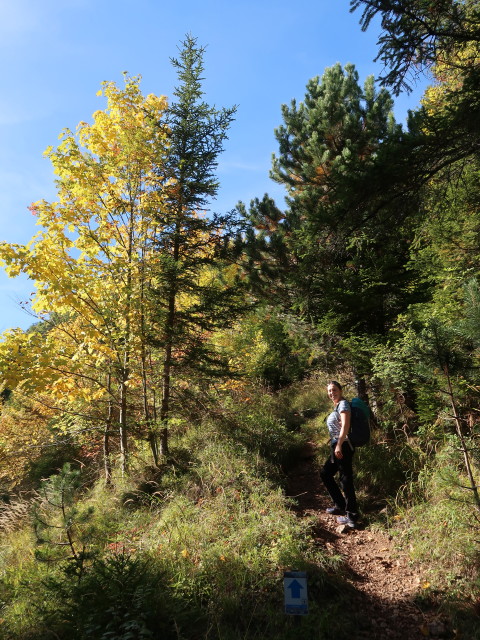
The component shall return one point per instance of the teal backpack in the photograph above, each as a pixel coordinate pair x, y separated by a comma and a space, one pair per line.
359, 433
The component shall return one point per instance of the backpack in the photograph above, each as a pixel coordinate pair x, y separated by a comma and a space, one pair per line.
359, 433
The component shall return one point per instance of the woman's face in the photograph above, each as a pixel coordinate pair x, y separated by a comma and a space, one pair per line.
334, 393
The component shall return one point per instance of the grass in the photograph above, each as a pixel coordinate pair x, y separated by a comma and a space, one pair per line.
450, 551
197, 548
201, 556
436, 522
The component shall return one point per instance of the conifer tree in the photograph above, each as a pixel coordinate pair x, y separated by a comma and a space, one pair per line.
442, 37
194, 291
415, 32
346, 269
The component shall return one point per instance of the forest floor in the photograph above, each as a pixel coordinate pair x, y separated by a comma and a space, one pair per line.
385, 586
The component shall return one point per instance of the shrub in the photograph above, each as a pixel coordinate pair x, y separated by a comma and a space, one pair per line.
120, 597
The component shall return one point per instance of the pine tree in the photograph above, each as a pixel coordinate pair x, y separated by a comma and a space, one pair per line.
416, 34
442, 37
346, 269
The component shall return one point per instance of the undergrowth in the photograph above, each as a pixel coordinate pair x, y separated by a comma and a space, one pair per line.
424, 503
195, 549
438, 524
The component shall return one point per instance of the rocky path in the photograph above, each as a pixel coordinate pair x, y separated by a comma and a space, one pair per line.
385, 584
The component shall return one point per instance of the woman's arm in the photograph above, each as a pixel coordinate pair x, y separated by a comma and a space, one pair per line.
345, 420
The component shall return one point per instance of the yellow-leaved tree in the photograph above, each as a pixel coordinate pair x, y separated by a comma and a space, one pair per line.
133, 274
91, 262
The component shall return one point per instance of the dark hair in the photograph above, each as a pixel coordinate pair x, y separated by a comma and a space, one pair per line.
335, 383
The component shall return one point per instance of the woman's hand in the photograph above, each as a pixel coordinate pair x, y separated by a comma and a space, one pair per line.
338, 451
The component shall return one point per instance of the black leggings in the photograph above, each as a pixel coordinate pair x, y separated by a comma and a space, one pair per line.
347, 500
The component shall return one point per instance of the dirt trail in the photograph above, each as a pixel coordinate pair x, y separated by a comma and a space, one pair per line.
383, 580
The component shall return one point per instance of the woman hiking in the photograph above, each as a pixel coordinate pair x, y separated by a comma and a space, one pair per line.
340, 459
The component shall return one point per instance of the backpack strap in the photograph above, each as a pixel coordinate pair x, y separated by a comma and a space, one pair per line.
349, 404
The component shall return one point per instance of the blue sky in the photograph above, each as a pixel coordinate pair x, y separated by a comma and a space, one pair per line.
259, 55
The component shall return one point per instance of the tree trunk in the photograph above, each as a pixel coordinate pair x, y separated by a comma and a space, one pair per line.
149, 423
165, 407
125, 371
123, 423
361, 385
169, 331
106, 437
458, 427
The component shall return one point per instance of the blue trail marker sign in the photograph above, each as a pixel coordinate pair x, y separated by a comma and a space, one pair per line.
296, 595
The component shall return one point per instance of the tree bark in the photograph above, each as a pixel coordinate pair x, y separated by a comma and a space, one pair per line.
106, 437
169, 332
458, 428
